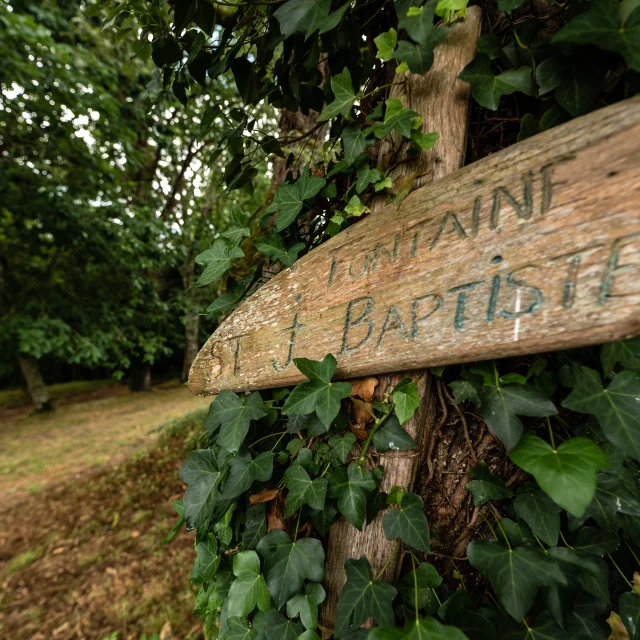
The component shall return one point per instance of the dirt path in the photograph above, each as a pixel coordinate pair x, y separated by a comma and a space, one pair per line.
81, 559
37, 450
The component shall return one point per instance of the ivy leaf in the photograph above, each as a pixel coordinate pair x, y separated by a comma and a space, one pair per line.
625, 352
288, 564
550, 73
487, 88
238, 229
238, 629
386, 44
255, 525
355, 140
615, 407
350, 488
233, 415
417, 587
366, 176
342, 445
421, 28
406, 399
306, 605
227, 300
217, 260
515, 574
581, 84
611, 497
501, 407
344, 97
408, 523
363, 597
322, 520
418, 629
271, 625
319, 394
200, 472
540, 513
290, 197
207, 560
274, 248
424, 140
249, 589
629, 604
465, 390
390, 436
396, 118
603, 26
485, 486
301, 16
244, 471
303, 490
333, 20
567, 474
595, 541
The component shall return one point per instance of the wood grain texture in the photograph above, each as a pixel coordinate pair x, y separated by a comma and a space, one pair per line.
531, 249
442, 100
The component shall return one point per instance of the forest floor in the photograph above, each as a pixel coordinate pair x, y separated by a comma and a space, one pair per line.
104, 425
81, 558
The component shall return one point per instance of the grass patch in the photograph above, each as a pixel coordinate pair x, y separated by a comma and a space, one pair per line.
11, 398
38, 449
23, 560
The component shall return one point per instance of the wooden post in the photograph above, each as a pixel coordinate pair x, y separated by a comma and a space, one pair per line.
443, 102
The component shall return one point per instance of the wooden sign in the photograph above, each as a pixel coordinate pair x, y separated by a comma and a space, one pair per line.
534, 248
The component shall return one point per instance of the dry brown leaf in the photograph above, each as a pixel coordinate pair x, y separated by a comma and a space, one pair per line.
364, 388
618, 630
358, 431
264, 496
363, 414
274, 515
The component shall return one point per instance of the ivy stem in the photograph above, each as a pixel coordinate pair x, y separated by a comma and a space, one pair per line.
295, 535
553, 442
566, 544
633, 553
495, 515
489, 525
386, 564
271, 435
278, 441
367, 442
415, 584
540, 543
615, 564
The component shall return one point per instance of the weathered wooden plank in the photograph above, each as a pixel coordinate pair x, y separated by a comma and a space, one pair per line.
534, 248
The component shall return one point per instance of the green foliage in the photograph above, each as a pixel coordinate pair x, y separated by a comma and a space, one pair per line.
580, 445
363, 597
408, 523
319, 394
485, 487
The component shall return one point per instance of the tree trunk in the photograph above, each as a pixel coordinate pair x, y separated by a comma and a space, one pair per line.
191, 342
442, 100
140, 377
36, 387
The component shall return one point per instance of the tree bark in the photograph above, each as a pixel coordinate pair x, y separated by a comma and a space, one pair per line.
443, 101
30, 368
140, 377
191, 342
